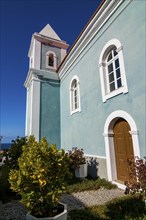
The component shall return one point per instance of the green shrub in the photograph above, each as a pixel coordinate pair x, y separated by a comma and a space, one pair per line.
5, 192
41, 177
12, 154
84, 185
84, 214
128, 206
124, 208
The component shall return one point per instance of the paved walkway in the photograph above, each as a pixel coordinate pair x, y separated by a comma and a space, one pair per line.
15, 211
81, 200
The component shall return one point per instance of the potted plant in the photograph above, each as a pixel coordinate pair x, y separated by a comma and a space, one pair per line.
40, 180
78, 162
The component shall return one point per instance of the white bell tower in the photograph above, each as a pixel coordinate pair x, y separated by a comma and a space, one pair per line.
46, 53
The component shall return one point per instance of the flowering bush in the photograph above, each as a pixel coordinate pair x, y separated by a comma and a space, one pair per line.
77, 157
137, 171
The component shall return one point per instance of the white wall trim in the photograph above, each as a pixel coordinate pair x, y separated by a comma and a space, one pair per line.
112, 42
37, 55
96, 156
32, 55
35, 110
31, 103
109, 140
97, 23
103, 70
26, 114
55, 60
63, 54
70, 91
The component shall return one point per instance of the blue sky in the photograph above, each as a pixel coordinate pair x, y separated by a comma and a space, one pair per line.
19, 20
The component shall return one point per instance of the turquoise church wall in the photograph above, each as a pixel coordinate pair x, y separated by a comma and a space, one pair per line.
85, 129
50, 99
50, 111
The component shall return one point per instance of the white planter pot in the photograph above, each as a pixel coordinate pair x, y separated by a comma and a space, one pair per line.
81, 172
61, 216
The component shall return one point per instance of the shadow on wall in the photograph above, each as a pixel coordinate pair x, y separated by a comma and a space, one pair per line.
92, 167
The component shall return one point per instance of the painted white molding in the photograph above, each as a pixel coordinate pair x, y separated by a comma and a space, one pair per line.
134, 132
119, 185
75, 77
55, 60
106, 94
109, 44
33, 105
37, 55
35, 109
31, 46
34, 53
96, 156
27, 113
88, 34
43, 73
63, 54
109, 140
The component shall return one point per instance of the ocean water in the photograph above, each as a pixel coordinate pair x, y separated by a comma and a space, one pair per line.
5, 146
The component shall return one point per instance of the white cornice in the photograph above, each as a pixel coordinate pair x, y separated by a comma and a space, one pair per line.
34, 74
28, 78
51, 41
47, 40
94, 26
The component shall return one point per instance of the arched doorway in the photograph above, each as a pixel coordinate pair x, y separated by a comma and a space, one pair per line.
123, 147
110, 123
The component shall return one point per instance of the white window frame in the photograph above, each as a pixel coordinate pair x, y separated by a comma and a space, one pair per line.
72, 97
55, 60
106, 94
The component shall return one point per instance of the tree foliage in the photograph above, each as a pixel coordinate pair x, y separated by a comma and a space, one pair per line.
14, 152
40, 179
11, 162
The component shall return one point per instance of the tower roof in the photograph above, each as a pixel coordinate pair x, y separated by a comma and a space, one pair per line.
49, 32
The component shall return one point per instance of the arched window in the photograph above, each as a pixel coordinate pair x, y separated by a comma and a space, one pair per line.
74, 95
51, 61
112, 71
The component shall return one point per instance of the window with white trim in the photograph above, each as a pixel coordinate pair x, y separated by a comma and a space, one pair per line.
112, 71
74, 95
51, 61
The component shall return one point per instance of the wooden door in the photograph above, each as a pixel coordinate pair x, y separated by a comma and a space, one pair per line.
123, 148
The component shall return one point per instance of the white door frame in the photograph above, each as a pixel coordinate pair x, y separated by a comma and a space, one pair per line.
109, 141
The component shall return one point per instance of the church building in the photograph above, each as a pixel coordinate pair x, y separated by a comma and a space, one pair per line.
94, 95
